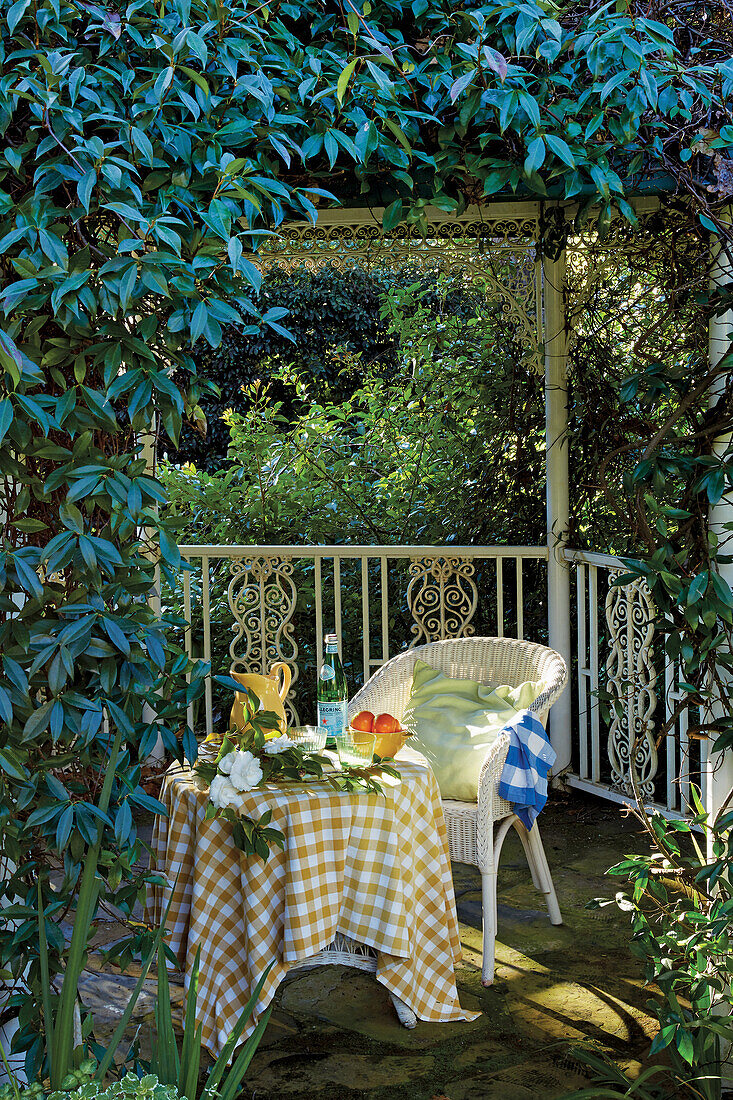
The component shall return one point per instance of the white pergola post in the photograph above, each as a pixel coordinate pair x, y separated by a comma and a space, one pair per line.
558, 497
719, 776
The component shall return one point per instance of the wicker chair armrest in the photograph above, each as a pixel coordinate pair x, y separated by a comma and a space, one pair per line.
553, 691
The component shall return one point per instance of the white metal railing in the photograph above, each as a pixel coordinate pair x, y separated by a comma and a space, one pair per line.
279, 601
621, 663
248, 606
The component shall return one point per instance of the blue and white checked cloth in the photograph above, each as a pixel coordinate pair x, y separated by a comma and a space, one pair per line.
524, 777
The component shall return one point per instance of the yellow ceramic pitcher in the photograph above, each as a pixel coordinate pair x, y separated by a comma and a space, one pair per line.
271, 691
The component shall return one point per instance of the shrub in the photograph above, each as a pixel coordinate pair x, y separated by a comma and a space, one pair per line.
337, 338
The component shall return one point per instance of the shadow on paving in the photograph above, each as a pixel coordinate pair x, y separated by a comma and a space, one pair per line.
334, 1035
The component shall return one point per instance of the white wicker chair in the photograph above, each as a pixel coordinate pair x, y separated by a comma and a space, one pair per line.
476, 830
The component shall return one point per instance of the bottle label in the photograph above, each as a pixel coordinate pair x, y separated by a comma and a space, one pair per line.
328, 673
334, 717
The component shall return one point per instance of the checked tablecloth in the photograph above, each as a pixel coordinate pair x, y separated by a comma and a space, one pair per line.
373, 867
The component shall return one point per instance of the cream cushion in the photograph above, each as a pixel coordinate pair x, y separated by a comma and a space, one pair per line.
453, 722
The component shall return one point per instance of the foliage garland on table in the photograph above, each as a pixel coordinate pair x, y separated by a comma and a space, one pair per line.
146, 149
251, 757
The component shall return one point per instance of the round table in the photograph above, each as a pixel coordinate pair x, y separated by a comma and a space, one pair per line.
363, 879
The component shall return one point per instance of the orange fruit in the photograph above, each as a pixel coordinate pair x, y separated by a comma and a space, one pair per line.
385, 723
363, 721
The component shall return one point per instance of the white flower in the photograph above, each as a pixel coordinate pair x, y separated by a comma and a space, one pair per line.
224, 795
246, 772
225, 764
278, 744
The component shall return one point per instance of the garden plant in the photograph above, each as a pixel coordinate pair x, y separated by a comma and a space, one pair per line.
148, 149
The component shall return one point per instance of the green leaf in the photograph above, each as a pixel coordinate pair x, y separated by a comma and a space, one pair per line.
16, 12
530, 105
344, 79
722, 589
53, 247
37, 722
234, 251
616, 81
10, 764
169, 549
64, 827
6, 417
685, 1046
27, 577
715, 486
399, 134
10, 358
85, 186
509, 107
460, 84
393, 215
199, 321
698, 586
535, 156
29, 525
332, 147
561, 149
219, 219
116, 636
124, 210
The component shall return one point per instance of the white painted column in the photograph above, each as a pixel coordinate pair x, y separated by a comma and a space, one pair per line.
558, 497
719, 778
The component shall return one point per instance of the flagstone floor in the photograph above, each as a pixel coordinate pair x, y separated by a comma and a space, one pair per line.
333, 1034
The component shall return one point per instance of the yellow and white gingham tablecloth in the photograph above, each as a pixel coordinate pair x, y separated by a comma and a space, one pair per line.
373, 867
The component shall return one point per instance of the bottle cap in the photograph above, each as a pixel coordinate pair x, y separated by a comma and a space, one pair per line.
331, 638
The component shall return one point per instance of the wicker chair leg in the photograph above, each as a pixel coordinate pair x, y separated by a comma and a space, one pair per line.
538, 861
531, 862
404, 1014
488, 900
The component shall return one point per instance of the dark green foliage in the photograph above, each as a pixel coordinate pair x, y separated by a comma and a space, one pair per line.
641, 313
114, 218
336, 337
445, 447
146, 148
332, 332
686, 954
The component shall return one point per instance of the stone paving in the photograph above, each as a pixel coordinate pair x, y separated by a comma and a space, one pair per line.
333, 1034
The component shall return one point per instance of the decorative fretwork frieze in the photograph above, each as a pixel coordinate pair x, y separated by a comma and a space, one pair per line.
262, 597
631, 680
442, 598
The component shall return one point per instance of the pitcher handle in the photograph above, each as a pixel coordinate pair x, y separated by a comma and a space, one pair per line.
278, 669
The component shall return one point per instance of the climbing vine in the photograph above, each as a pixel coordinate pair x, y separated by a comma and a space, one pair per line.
147, 150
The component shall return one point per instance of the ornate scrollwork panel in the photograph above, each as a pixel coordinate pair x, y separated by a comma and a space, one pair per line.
442, 596
631, 680
262, 597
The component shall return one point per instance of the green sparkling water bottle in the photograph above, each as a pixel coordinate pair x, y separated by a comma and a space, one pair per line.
332, 693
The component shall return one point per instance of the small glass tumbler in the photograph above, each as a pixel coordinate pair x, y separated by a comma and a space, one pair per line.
310, 738
356, 749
